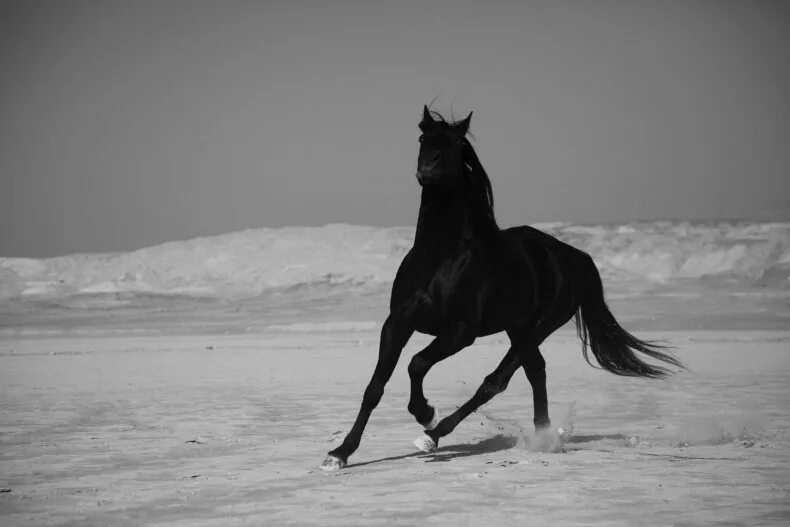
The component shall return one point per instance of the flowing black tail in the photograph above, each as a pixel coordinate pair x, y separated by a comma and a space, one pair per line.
612, 346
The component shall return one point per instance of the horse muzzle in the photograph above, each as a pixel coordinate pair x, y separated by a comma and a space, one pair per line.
427, 175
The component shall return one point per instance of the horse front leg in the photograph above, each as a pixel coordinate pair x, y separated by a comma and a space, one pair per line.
394, 335
494, 383
440, 348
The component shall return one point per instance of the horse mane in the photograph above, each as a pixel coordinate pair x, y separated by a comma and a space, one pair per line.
479, 191
479, 194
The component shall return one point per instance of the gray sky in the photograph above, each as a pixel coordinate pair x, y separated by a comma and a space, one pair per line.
125, 124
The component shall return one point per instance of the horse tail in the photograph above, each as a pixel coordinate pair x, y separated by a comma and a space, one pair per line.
613, 347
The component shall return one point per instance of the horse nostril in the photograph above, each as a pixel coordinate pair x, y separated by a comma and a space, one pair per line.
428, 166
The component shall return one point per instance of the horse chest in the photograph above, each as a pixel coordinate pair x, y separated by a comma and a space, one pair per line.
438, 292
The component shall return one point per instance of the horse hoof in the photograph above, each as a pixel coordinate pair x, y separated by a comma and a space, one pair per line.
434, 420
425, 443
332, 463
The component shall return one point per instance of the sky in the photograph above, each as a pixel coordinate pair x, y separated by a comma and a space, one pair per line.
127, 124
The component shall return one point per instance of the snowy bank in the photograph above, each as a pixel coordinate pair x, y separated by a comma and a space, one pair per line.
247, 263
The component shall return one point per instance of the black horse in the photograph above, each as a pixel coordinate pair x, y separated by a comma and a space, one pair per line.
465, 277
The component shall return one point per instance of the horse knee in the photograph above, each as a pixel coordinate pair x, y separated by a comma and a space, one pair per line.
418, 366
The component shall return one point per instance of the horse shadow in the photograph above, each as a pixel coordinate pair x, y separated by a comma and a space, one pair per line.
496, 443
595, 437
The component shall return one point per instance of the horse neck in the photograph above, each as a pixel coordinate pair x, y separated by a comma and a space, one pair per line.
442, 221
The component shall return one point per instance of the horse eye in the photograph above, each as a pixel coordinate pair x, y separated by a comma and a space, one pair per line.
420, 139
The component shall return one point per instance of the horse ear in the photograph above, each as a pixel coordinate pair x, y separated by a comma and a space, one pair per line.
462, 127
426, 118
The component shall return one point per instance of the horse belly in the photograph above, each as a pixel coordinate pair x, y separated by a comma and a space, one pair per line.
503, 307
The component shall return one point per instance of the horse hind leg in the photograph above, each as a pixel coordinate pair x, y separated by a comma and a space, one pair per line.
533, 363
535, 367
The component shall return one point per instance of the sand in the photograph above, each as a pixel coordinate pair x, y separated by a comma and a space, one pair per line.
131, 428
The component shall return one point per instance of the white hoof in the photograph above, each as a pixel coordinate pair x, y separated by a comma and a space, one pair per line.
425, 443
434, 420
332, 463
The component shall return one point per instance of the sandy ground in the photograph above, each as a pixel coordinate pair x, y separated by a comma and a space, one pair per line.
99, 429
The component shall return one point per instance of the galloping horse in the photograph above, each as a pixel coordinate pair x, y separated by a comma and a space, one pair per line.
465, 277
